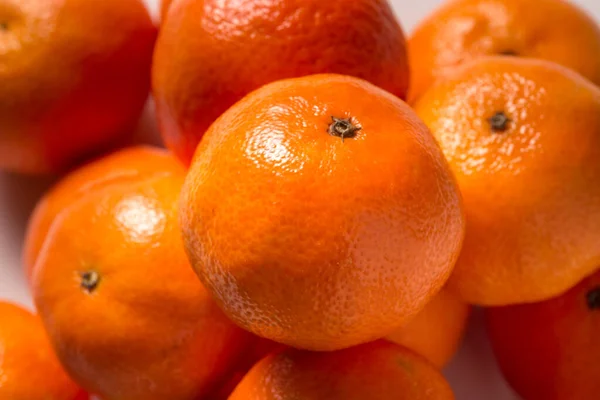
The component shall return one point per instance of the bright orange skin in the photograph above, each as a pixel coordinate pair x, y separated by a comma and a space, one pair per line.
130, 163
295, 231
149, 330
211, 53
550, 350
29, 369
75, 77
256, 351
462, 30
378, 370
164, 8
437, 331
531, 192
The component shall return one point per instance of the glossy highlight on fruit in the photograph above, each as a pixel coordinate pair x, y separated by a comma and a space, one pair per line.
129, 163
122, 306
522, 137
293, 223
211, 53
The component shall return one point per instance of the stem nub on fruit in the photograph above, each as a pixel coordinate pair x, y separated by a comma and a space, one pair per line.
90, 281
499, 122
343, 127
593, 298
3, 26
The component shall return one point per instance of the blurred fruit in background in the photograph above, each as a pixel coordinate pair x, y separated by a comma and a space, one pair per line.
297, 200
550, 350
522, 137
75, 76
29, 369
211, 53
130, 163
461, 30
378, 370
437, 331
164, 8
123, 308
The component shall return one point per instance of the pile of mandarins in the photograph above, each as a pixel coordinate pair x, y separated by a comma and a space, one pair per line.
343, 196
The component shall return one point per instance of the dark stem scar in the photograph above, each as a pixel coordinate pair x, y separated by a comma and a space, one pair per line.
343, 128
90, 281
3, 26
499, 122
593, 298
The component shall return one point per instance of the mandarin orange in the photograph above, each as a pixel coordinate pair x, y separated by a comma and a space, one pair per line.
75, 77
378, 370
296, 203
463, 30
211, 53
522, 137
124, 310
129, 163
437, 331
29, 369
550, 350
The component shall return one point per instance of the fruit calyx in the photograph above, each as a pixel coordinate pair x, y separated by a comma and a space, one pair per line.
499, 122
593, 298
90, 281
343, 127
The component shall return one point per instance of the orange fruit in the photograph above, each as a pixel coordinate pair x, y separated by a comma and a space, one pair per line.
550, 350
296, 201
256, 351
125, 164
123, 308
378, 370
437, 331
29, 370
238, 46
164, 8
75, 77
522, 137
461, 30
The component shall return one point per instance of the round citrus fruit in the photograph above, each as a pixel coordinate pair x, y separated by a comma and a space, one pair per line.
211, 53
378, 370
296, 203
461, 30
129, 163
124, 310
437, 331
75, 76
522, 137
29, 369
550, 350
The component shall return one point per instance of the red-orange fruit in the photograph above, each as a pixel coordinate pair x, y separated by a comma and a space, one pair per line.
378, 370
211, 53
550, 350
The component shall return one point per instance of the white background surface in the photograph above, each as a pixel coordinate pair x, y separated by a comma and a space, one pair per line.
472, 374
